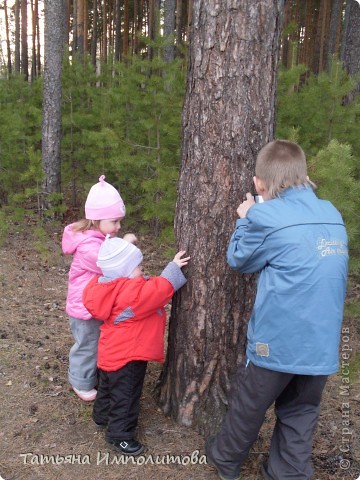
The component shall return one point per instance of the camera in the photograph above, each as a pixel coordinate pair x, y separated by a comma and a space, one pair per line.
258, 198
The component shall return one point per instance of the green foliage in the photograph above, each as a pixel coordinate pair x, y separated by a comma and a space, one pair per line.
20, 131
125, 122
333, 170
127, 127
313, 111
315, 107
4, 228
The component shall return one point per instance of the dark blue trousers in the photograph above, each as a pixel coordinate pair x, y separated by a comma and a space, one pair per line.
117, 403
297, 407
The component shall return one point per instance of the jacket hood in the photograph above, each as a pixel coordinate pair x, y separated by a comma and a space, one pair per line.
71, 240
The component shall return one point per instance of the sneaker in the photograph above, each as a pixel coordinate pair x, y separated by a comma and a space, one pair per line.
211, 461
87, 396
127, 447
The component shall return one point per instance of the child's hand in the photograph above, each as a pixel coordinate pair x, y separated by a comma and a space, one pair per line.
181, 262
245, 205
130, 237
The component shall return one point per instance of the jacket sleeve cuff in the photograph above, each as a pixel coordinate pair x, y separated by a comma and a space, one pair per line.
174, 275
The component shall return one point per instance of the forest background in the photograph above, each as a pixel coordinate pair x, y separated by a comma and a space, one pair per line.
123, 82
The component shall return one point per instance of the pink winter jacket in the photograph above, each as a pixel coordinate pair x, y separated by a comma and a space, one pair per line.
84, 246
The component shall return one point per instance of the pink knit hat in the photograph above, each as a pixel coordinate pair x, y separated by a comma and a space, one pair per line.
104, 202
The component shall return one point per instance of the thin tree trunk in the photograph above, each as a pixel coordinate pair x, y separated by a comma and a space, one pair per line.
75, 28
51, 127
117, 51
104, 32
285, 41
80, 23
94, 36
110, 30
351, 38
324, 9
228, 116
136, 28
169, 29
350, 52
86, 28
38, 50
333, 32
126, 29
33, 53
308, 31
24, 41
9, 65
178, 25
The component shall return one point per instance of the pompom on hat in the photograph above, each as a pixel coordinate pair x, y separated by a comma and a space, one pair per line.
103, 202
118, 258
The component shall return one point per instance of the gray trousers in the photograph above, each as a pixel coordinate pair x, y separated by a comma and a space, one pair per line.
82, 371
297, 407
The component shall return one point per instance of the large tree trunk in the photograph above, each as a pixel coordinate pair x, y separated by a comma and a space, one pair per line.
228, 116
51, 127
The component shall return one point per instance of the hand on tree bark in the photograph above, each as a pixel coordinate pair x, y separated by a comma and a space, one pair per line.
245, 205
181, 262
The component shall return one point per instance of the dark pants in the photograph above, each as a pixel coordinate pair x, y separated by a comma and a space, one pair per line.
117, 401
297, 407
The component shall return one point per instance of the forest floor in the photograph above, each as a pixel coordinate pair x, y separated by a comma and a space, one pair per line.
46, 431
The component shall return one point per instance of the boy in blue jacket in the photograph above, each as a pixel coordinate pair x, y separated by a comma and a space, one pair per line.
298, 243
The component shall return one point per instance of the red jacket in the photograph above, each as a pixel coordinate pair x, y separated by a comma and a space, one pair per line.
134, 318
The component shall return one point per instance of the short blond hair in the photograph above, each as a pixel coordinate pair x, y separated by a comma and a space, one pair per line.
84, 224
281, 164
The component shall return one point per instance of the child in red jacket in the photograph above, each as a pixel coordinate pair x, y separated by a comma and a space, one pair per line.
132, 309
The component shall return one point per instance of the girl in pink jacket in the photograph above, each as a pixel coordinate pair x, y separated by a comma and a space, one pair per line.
104, 209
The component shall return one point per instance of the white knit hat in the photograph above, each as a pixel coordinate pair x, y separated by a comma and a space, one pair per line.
118, 258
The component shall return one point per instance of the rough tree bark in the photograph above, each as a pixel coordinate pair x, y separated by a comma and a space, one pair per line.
24, 40
228, 116
51, 126
334, 32
350, 51
169, 28
350, 47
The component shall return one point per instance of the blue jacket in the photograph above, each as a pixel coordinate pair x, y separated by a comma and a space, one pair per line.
298, 243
